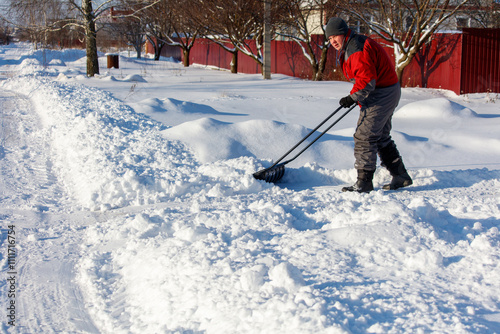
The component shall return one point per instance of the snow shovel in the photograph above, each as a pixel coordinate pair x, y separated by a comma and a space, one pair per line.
277, 170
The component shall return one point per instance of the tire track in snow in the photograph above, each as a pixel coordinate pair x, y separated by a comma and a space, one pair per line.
27, 177
48, 235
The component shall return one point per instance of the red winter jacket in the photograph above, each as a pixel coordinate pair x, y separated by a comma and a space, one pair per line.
366, 64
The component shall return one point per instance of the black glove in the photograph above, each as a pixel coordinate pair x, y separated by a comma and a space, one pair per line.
347, 101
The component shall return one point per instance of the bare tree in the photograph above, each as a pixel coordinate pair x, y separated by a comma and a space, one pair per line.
34, 17
134, 31
27, 17
406, 24
495, 9
88, 20
163, 22
40, 17
158, 25
83, 14
90, 12
5, 32
127, 22
305, 18
484, 14
232, 24
185, 27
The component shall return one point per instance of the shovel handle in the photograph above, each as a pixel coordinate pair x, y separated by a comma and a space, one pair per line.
310, 133
318, 137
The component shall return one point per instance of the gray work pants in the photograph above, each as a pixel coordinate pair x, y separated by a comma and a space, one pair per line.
374, 125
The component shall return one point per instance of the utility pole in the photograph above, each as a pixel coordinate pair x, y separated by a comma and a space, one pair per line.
266, 71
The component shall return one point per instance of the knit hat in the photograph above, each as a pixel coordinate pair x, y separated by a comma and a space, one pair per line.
336, 26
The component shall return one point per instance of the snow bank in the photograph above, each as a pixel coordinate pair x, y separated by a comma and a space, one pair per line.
212, 140
128, 78
58, 57
110, 156
434, 109
174, 112
29, 66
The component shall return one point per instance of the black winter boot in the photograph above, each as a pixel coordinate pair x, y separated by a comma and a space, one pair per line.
391, 160
400, 177
364, 183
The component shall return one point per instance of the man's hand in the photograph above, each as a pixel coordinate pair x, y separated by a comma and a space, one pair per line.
347, 101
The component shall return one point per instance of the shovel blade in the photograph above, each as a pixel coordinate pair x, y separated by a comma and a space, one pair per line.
271, 174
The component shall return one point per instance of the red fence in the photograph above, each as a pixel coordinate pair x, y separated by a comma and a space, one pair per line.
464, 63
437, 65
287, 58
480, 61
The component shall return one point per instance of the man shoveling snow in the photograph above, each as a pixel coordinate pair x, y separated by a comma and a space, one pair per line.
377, 91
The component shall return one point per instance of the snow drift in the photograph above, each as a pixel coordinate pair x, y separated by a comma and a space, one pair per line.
109, 155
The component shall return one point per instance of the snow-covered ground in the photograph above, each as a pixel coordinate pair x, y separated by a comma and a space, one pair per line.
128, 205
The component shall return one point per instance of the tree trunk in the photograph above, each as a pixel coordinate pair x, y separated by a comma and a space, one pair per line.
234, 62
157, 53
90, 39
158, 47
322, 64
315, 75
185, 61
316, 71
404, 61
138, 42
399, 73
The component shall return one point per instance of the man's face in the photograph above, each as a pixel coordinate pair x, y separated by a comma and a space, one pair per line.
337, 41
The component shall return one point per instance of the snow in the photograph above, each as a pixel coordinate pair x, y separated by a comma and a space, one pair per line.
135, 210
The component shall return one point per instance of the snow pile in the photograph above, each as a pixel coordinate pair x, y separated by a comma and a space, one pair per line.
128, 78
438, 109
174, 112
182, 274
110, 156
29, 66
311, 262
58, 57
229, 141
